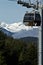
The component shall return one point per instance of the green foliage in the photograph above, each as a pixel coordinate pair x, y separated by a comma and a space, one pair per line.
16, 52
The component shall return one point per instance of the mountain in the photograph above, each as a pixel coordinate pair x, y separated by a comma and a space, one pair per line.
17, 51
5, 31
30, 39
19, 30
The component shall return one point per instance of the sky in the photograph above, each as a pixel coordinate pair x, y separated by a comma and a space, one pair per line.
11, 12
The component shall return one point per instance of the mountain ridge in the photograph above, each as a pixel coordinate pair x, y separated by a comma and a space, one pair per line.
19, 30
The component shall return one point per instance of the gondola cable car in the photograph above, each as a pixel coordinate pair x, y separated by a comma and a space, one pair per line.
32, 18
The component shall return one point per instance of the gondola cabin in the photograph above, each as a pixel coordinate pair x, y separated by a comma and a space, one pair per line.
32, 19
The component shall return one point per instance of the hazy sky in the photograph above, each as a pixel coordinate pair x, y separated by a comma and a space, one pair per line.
11, 12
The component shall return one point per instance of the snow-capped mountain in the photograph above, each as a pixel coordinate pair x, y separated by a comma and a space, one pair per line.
6, 31
19, 30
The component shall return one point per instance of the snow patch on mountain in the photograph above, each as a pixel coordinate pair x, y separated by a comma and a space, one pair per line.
3, 24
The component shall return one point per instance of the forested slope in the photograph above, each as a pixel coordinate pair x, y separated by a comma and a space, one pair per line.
16, 51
